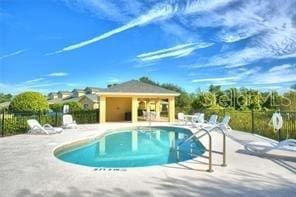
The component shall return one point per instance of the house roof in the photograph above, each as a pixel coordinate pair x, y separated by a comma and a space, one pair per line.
92, 97
4, 105
95, 89
78, 90
64, 92
135, 86
71, 99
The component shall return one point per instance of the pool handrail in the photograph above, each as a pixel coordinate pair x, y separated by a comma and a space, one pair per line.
210, 169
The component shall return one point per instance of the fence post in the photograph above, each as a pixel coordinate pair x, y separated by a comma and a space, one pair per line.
98, 115
56, 118
39, 117
253, 124
3, 122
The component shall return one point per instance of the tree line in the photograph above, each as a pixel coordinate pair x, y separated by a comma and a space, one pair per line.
215, 97
242, 99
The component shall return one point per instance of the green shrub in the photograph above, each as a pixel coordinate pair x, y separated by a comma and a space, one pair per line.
56, 107
29, 102
74, 106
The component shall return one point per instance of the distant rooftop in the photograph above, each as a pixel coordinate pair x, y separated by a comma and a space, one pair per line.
64, 92
95, 89
78, 90
92, 97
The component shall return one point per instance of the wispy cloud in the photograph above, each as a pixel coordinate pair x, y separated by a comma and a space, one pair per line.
197, 6
276, 75
176, 51
232, 78
25, 86
281, 67
34, 80
156, 13
58, 74
13, 54
215, 79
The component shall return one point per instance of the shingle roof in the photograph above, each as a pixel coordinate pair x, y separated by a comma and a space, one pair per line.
135, 86
4, 105
71, 99
94, 89
78, 90
64, 92
92, 97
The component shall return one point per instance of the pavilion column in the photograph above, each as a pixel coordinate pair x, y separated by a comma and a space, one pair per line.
134, 109
102, 109
157, 108
171, 109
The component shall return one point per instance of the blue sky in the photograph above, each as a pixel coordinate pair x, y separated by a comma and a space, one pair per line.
51, 45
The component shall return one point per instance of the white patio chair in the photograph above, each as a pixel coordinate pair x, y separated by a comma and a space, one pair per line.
266, 146
224, 124
36, 128
181, 118
144, 114
196, 117
68, 122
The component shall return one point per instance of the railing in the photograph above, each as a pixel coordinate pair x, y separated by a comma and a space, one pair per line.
257, 122
210, 169
16, 123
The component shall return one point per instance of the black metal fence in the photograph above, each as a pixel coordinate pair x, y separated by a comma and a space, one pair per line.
258, 122
248, 121
16, 123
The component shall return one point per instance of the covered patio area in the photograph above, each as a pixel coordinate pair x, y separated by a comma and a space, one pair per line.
128, 101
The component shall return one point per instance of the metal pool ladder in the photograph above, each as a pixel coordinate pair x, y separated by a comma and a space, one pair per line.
207, 132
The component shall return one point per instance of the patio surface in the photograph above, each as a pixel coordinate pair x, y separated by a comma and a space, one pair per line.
29, 168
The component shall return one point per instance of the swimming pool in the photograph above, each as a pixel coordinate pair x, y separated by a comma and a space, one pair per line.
133, 147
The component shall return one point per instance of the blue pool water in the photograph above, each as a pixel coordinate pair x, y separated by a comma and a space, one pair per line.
134, 147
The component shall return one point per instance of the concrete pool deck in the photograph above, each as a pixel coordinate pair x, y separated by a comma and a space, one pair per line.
29, 168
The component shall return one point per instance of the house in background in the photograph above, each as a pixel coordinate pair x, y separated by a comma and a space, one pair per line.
64, 94
93, 90
124, 102
89, 101
78, 92
52, 96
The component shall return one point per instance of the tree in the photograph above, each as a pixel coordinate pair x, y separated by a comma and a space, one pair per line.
147, 80
74, 106
56, 107
293, 87
289, 101
219, 94
203, 101
29, 102
111, 85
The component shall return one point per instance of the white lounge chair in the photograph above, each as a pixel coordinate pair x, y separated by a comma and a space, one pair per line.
36, 128
202, 123
266, 146
213, 120
68, 122
224, 124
